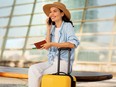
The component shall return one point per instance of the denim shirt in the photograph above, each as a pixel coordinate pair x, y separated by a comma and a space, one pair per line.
66, 34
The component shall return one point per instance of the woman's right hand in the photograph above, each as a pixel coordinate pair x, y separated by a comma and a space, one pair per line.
47, 24
48, 30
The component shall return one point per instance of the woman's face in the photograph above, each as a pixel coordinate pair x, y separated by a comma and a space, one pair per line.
55, 14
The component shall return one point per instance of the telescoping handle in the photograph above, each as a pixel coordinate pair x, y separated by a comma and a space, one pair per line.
69, 54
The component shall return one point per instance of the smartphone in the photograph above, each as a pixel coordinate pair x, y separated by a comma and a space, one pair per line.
49, 21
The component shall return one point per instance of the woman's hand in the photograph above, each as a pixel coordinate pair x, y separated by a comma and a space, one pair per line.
48, 30
46, 46
48, 25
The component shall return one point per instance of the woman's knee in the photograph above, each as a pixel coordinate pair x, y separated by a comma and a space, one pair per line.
32, 68
36, 68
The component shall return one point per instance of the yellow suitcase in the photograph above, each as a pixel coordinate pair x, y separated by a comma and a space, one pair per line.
59, 79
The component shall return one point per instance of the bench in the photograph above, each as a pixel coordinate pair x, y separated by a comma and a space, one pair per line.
13, 72
88, 76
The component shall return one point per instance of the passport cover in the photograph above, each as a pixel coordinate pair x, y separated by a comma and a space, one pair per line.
39, 44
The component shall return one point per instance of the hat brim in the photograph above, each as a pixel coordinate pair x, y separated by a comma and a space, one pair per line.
46, 9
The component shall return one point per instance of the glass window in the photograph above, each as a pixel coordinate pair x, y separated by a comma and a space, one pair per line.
31, 41
0, 51
76, 15
1, 41
95, 37
94, 27
23, 9
21, 32
46, 0
12, 55
114, 56
39, 19
5, 11
15, 43
39, 7
36, 55
100, 2
3, 22
77, 27
96, 41
6, 3
37, 31
41, 3
97, 13
2, 32
23, 20
93, 55
24, 1
115, 40
74, 3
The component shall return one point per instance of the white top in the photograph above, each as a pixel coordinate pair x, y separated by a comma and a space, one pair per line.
57, 34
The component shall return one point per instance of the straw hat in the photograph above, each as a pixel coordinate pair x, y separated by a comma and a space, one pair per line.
46, 8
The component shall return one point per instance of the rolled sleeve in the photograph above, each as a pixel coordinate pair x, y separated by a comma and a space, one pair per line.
73, 40
71, 37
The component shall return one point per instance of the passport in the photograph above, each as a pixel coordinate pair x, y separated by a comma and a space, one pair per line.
39, 44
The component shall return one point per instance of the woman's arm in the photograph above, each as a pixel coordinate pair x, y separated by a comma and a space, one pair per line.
48, 31
64, 44
48, 36
58, 45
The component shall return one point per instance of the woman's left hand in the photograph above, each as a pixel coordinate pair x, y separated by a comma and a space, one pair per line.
46, 46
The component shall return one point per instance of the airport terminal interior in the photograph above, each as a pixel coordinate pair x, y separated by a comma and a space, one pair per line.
23, 22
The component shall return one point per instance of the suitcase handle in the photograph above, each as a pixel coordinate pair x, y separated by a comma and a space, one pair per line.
61, 73
69, 54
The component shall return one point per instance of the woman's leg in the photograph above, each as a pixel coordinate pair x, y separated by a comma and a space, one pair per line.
35, 72
53, 68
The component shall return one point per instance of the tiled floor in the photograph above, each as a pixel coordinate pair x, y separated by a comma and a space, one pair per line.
13, 82
5, 80
11, 85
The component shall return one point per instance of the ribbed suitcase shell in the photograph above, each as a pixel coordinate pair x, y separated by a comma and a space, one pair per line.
56, 81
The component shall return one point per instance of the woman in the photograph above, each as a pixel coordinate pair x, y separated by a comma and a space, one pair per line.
60, 33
